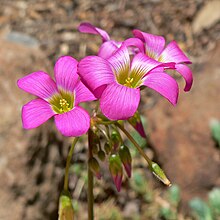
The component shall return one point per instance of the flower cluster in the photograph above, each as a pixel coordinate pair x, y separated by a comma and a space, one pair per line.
121, 68
114, 77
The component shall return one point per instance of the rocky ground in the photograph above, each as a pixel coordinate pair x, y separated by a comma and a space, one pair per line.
33, 34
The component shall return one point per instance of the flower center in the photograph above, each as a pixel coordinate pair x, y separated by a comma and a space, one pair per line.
151, 54
128, 82
64, 105
128, 76
62, 102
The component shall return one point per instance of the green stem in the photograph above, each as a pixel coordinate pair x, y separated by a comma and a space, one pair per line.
90, 180
69, 157
154, 167
135, 144
105, 122
108, 133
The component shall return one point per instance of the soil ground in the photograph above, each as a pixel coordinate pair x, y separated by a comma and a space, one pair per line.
33, 34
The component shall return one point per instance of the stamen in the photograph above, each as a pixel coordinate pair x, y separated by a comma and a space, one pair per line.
64, 105
128, 82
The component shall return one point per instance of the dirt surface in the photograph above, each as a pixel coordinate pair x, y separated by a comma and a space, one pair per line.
180, 135
33, 34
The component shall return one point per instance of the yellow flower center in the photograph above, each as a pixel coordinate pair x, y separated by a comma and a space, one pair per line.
128, 82
64, 105
62, 102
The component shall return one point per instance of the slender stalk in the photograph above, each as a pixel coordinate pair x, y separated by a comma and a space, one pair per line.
108, 133
105, 122
154, 167
135, 144
104, 133
69, 157
90, 180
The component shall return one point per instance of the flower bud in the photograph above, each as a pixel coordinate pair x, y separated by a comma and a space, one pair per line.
125, 157
66, 211
95, 148
159, 173
101, 155
107, 148
116, 170
94, 167
136, 123
115, 138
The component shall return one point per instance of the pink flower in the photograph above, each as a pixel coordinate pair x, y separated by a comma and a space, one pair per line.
109, 47
155, 48
117, 81
59, 99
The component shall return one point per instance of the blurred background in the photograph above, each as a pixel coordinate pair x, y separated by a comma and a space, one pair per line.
184, 140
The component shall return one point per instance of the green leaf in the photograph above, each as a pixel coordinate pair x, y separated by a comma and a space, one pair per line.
138, 183
214, 201
167, 213
200, 209
215, 130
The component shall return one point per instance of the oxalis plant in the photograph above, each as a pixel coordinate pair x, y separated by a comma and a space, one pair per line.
113, 79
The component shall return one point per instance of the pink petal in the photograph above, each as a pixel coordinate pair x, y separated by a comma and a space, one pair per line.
118, 181
128, 168
65, 71
73, 123
159, 69
172, 53
163, 84
35, 113
142, 64
119, 102
187, 75
90, 29
95, 73
39, 84
107, 49
120, 61
83, 94
154, 43
137, 44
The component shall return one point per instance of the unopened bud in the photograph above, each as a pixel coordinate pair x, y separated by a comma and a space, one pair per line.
107, 148
136, 123
66, 211
116, 170
125, 157
94, 167
115, 138
159, 173
95, 148
101, 155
